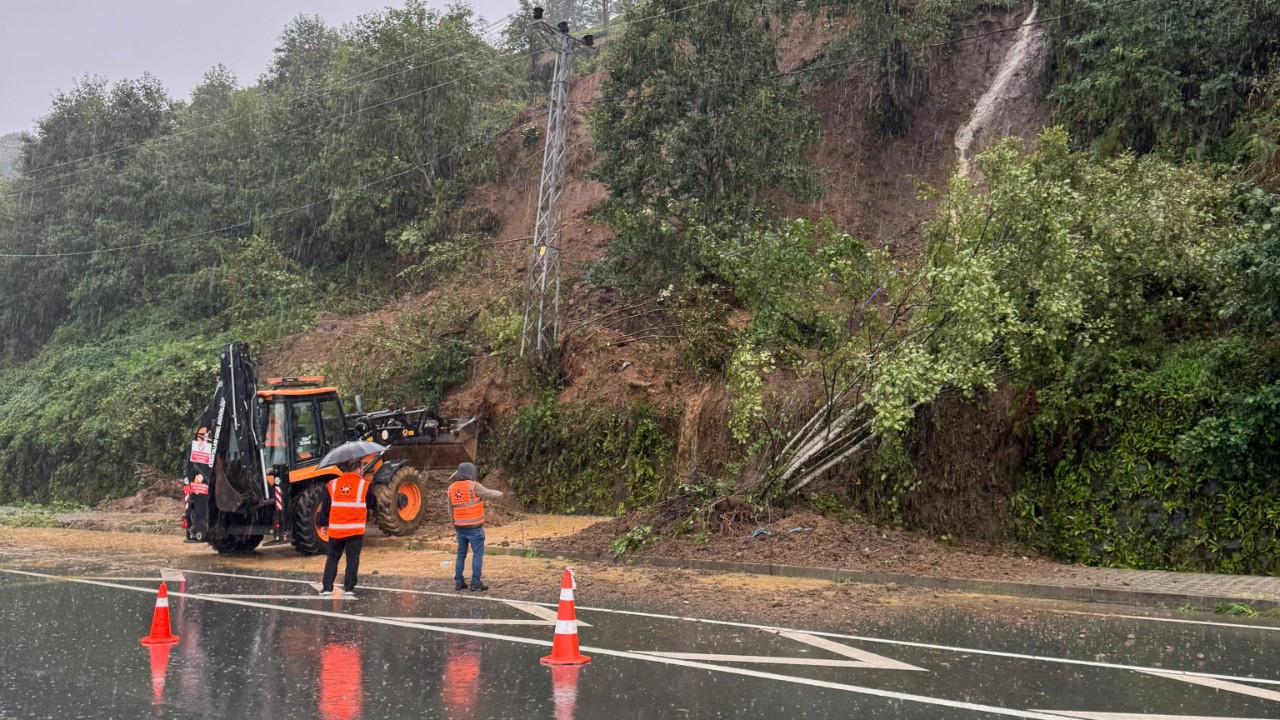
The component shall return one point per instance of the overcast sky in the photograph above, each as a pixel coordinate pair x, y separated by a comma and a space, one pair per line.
45, 45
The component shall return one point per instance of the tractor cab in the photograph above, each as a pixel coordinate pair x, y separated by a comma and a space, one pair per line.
301, 420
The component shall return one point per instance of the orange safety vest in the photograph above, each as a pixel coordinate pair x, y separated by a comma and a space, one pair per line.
347, 512
468, 510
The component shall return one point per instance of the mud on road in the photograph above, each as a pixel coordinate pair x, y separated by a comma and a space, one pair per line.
726, 596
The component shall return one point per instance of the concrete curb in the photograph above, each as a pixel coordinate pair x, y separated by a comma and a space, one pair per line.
1109, 595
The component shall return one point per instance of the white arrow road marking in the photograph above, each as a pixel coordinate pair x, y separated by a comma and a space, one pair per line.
862, 658
872, 659
1227, 685
538, 611
1136, 716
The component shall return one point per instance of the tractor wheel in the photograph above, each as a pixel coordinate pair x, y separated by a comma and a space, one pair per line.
236, 544
309, 539
401, 505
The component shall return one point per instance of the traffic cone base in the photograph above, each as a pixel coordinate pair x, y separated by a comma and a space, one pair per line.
160, 634
171, 640
564, 647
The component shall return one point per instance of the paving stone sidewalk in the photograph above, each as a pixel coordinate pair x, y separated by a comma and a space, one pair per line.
1178, 583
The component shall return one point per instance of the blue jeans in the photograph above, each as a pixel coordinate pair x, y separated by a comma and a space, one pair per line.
473, 536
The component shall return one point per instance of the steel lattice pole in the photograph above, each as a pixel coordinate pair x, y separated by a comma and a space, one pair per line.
542, 295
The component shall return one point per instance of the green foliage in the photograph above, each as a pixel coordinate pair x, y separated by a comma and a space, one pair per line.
832, 506
583, 458
1235, 608
1257, 263
686, 130
635, 538
1257, 132
32, 515
10, 148
746, 385
75, 419
1159, 76
1132, 472
331, 156
906, 43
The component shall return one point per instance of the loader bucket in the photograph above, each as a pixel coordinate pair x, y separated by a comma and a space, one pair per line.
444, 451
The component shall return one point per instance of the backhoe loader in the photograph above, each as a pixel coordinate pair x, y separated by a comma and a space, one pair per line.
253, 466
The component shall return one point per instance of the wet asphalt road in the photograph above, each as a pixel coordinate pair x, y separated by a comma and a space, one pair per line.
268, 647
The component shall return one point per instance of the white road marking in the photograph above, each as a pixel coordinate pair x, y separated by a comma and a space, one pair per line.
726, 669
761, 659
538, 611
1137, 716
869, 658
119, 579
1268, 628
1225, 685
171, 575
472, 621
779, 630
251, 596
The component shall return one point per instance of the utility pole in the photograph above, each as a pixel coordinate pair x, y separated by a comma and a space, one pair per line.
542, 296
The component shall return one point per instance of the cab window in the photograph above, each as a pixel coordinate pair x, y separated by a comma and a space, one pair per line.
277, 450
335, 431
306, 433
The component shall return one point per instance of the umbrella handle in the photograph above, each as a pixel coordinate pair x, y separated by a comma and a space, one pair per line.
365, 469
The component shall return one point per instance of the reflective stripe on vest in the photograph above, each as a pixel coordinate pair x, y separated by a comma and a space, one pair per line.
347, 513
467, 507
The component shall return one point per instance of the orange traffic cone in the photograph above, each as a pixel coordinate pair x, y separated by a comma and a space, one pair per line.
564, 648
160, 634
159, 666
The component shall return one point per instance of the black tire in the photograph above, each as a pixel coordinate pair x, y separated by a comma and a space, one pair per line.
402, 503
236, 544
307, 538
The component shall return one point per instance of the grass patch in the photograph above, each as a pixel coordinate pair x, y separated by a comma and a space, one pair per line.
1235, 608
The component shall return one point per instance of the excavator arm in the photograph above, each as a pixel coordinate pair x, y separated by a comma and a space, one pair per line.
225, 469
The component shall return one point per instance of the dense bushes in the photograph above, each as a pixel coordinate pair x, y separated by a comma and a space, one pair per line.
1167, 76
1167, 459
578, 457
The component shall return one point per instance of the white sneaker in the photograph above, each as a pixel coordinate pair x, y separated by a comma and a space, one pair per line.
326, 593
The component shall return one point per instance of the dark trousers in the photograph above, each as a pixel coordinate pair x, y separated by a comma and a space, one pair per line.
473, 537
352, 546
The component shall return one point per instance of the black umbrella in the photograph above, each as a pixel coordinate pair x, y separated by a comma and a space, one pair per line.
354, 450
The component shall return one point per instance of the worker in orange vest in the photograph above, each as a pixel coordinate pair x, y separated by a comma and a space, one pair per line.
344, 511
468, 523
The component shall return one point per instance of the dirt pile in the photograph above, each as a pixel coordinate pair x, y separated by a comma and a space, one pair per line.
808, 539
161, 496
